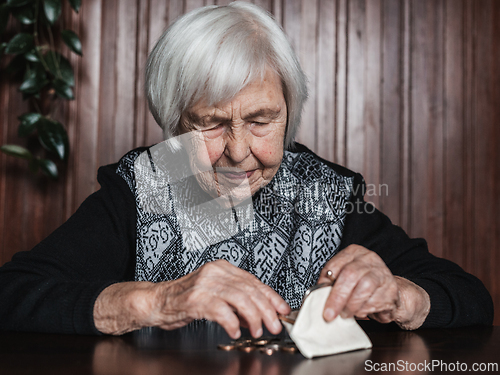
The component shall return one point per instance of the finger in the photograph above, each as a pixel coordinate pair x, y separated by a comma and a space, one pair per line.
222, 313
276, 300
268, 301
262, 297
361, 294
385, 298
340, 260
233, 286
382, 317
268, 313
254, 301
343, 289
245, 307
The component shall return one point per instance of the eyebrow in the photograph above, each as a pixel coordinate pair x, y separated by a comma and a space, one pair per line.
262, 112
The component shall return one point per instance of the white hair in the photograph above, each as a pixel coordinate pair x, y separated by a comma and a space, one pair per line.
212, 53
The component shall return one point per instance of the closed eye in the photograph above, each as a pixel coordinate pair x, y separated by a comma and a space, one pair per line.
214, 131
261, 129
212, 128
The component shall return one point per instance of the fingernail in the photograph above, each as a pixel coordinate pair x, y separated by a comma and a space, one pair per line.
284, 306
258, 333
238, 334
329, 314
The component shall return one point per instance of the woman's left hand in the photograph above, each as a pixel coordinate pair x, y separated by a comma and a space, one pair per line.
364, 286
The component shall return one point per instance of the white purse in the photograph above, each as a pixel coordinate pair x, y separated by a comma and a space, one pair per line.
315, 337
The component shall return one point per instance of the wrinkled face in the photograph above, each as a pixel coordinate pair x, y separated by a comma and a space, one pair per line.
242, 140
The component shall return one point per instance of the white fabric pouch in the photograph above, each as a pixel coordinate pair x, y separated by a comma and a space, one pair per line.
315, 337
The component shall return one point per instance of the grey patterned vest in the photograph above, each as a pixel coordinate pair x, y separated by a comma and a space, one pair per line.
296, 228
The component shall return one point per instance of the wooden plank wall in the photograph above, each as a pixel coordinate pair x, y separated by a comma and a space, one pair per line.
404, 91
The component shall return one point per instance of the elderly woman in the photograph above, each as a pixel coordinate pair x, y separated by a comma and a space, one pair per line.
227, 89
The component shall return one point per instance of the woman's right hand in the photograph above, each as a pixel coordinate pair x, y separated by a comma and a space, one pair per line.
217, 291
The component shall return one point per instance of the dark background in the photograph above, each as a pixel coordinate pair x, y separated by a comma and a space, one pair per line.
406, 92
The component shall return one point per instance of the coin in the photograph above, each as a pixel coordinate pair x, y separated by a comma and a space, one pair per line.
289, 349
243, 342
246, 349
266, 345
274, 347
267, 351
260, 342
226, 347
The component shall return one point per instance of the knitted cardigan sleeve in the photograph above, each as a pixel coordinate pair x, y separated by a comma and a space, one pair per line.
457, 298
53, 287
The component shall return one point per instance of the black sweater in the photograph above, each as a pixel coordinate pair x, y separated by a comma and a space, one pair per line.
53, 287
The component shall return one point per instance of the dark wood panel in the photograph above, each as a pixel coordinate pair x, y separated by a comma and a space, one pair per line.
454, 111
307, 50
325, 89
87, 119
356, 65
108, 82
126, 73
16, 179
420, 117
469, 122
161, 14
495, 256
485, 146
406, 112
372, 120
142, 48
434, 230
391, 107
341, 83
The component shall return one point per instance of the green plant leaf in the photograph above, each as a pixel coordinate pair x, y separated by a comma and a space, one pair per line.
28, 123
21, 43
60, 67
72, 41
17, 151
24, 14
63, 90
18, 3
52, 10
32, 56
34, 80
4, 17
75, 4
48, 168
53, 137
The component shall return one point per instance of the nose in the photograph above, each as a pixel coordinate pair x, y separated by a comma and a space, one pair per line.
237, 146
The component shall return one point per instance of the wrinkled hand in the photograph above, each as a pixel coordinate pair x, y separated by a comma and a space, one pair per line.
364, 286
217, 291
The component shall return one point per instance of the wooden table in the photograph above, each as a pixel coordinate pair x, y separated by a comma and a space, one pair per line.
193, 350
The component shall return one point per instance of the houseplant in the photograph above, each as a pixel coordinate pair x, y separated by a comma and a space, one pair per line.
44, 75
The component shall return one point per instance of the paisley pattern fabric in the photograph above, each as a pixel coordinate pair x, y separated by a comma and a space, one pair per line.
296, 227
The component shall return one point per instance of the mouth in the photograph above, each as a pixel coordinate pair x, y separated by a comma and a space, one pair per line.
236, 175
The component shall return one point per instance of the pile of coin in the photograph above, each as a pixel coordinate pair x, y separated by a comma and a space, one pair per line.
266, 345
